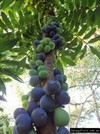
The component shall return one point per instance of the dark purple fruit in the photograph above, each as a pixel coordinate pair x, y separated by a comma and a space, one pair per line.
37, 93
31, 106
36, 43
23, 123
52, 33
62, 98
59, 78
57, 71
34, 80
41, 56
47, 103
39, 117
52, 87
56, 36
62, 130
19, 111
34, 67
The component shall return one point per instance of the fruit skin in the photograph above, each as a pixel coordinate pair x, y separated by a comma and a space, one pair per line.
39, 117
24, 97
43, 74
39, 62
36, 43
47, 48
64, 78
64, 86
39, 48
23, 123
47, 103
62, 98
36, 93
24, 104
42, 67
19, 111
52, 45
34, 67
52, 87
41, 56
32, 72
31, 106
61, 117
34, 80
57, 71
62, 130
59, 78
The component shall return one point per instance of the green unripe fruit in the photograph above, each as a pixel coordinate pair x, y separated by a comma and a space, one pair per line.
32, 132
64, 78
33, 72
47, 48
43, 41
39, 62
64, 86
61, 117
47, 40
24, 97
24, 104
43, 74
42, 67
40, 48
52, 45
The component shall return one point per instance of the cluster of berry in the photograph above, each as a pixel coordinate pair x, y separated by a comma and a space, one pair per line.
44, 99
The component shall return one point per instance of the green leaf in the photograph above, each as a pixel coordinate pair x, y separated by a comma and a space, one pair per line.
2, 86
84, 3
6, 20
4, 127
62, 1
67, 61
6, 3
91, 2
97, 16
83, 52
82, 30
7, 45
95, 51
2, 25
90, 33
94, 39
11, 73
13, 19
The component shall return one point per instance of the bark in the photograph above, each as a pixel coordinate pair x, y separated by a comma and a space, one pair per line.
50, 127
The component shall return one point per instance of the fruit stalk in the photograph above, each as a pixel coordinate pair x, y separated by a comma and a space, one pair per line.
50, 127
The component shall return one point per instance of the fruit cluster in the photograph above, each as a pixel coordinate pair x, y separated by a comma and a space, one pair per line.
44, 98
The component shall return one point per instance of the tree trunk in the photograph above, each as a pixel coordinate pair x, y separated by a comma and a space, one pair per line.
50, 127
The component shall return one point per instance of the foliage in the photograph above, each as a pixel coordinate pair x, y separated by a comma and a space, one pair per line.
84, 82
20, 26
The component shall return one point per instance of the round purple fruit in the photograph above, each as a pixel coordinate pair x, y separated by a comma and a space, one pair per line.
47, 103
52, 87
37, 93
23, 123
62, 98
39, 117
